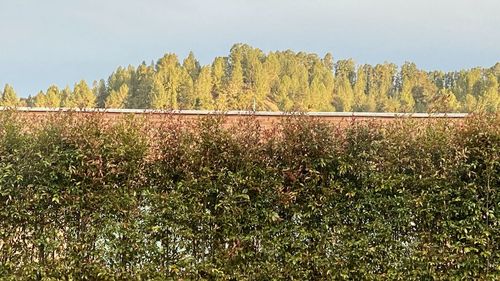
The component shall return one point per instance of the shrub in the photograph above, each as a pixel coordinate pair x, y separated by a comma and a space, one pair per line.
86, 198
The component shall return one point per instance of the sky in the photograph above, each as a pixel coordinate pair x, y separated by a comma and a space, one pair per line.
61, 42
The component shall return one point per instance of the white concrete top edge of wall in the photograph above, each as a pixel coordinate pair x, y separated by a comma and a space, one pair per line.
241, 112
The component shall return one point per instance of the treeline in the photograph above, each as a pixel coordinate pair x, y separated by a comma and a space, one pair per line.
249, 79
86, 199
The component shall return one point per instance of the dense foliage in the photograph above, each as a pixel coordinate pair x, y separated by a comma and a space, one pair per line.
85, 199
249, 79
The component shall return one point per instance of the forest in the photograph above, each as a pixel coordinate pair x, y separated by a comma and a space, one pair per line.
249, 79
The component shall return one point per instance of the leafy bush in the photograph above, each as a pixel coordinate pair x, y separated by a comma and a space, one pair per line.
86, 198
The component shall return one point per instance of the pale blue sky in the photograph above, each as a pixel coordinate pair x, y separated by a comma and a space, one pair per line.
63, 41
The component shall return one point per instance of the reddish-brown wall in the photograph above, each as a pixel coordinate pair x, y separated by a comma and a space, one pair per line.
266, 119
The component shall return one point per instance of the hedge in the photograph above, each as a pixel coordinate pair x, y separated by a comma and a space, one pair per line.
85, 198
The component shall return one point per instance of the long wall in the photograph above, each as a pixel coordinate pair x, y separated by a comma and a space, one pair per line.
266, 118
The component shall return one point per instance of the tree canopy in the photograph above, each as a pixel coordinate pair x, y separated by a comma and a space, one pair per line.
249, 79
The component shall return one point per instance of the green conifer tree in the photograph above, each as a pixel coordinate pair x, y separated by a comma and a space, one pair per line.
82, 96
117, 99
203, 89
489, 101
141, 95
40, 99
65, 97
219, 91
359, 90
9, 97
235, 87
192, 66
169, 74
53, 97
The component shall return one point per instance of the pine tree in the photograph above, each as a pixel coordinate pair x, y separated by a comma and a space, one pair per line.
470, 104
285, 103
299, 87
473, 80
186, 96
117, 99
218, 80
30, 101
273, 70
406, 84
344, 80
65, 97
159, 97
406, 100
9, 97
235, 86
40, 99
203, 89
192, 66
101, 92
346, 69
53, 97
168, 76
82, 96
141, 95
359, 90
257, 82
119, 77
328, 61
382, 88
444, 101
490, 100
343, 95
320, 88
